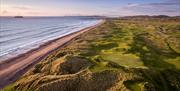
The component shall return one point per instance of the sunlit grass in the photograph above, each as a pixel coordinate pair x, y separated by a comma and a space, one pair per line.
126, 60
135, 85
146, 49
175, 62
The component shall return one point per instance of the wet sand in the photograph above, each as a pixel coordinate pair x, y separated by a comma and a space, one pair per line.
12, 69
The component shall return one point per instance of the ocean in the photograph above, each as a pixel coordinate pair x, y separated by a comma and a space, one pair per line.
19, 35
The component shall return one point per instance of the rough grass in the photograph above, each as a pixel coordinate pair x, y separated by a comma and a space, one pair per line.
9, 88
135, 85
137, 55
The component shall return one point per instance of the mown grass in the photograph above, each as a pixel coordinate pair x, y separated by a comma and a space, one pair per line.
143, 45
130, 44
147, 49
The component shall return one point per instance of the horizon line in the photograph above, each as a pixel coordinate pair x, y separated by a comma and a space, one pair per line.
92, 15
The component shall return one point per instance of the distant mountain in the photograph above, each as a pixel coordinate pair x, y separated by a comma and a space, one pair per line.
147, 16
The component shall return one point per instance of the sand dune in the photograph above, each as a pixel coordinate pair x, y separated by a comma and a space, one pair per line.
12, 69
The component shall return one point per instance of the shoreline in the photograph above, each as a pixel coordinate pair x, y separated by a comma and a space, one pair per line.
10, 70
4, 59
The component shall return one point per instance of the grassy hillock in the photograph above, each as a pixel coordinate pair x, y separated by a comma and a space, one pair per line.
120, 55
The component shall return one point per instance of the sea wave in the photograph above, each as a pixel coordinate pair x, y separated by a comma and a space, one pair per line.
20, 36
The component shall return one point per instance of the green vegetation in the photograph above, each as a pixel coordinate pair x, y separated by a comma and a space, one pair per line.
129, 54
135, 85
9, 88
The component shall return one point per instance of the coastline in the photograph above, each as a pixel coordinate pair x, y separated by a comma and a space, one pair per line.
117, 55
10, 70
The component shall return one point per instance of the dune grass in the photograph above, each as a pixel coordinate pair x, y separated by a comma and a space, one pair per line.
132, 44
9, 88
144, 52
135, 85
135, 45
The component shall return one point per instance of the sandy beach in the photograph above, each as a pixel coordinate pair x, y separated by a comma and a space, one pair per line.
12, 69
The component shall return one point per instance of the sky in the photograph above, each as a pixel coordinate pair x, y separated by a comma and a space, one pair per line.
89, 7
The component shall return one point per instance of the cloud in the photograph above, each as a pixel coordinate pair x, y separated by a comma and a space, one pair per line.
132, 5
21, 7
4, 12
166, 7
33, 13
154, 5
161, 8
163, 4
170, 11
176, 1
